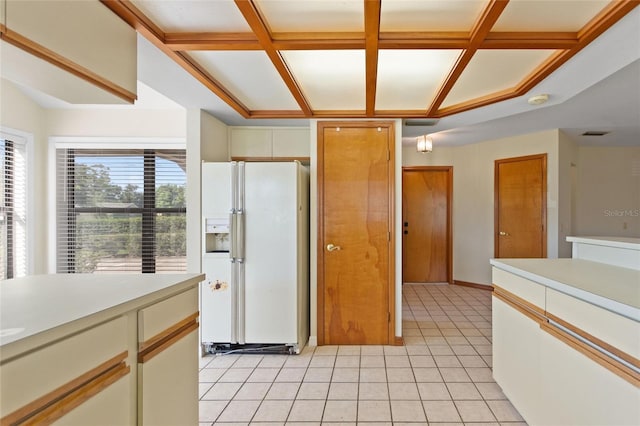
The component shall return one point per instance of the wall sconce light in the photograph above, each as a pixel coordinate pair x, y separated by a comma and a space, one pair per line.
424, 143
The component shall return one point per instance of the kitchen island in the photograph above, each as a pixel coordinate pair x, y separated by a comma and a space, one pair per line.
566, 338
99, 349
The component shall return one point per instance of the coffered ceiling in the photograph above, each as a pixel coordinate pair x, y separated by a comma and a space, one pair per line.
369, 58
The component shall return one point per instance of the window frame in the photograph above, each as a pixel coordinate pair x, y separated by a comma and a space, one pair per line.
112, 143
26, 140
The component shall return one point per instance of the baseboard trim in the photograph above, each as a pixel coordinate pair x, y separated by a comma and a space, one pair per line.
313, 341
474, 285
398, 341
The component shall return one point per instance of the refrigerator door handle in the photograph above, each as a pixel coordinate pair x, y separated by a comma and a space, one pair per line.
239, 237
233, 252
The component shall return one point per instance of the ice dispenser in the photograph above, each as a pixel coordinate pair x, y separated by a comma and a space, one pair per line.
216, 235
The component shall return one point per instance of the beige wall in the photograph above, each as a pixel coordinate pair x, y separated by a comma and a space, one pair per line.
608, 192
206, 141
567, 160
116, 123
19, 113
473, 190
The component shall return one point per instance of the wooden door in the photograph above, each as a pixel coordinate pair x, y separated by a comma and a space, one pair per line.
355, 239
426, 224
520, 207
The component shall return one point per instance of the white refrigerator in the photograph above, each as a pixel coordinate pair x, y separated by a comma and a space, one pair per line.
255, 256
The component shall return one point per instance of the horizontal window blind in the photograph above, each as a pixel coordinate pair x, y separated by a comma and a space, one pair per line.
13, 209
121, 210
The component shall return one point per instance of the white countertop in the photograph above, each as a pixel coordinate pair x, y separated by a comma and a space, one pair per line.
35, 304
620, 242
610, 287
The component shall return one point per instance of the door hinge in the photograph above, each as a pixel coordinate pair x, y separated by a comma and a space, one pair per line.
388, 316
388, 155
389, 236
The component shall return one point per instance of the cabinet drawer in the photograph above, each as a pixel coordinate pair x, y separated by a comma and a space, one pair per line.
620, 332
157, 319
61, 366
523, 288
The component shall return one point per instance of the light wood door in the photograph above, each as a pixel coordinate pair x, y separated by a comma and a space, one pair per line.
520, 207
426, 224
355, 262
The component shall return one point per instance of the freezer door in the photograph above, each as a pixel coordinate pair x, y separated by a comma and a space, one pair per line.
271, 261
216, 189
215, 301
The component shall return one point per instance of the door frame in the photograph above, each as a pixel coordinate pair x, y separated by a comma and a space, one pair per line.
496, 200
449, 170
390, 125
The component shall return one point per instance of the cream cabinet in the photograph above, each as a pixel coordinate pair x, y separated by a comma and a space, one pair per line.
269, 143
72, 381
566, 340
122, 351
168, 356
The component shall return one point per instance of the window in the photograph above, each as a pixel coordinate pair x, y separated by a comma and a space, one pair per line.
13, 209
121, 210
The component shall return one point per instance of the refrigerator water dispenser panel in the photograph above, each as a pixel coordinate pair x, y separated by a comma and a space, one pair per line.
217, 235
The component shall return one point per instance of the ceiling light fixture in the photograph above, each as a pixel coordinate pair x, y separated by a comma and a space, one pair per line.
538, 99
424, 143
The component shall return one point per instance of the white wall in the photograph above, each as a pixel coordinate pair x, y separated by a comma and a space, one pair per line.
117, 123
567, 160
206, 141
608, 192
18, 112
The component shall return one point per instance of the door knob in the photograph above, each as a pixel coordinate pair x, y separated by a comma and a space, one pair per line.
504, 234
331, 247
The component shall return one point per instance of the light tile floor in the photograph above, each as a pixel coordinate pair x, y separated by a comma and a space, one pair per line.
441, 377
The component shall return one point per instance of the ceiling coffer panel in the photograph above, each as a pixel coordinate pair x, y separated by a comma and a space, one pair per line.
430, 15
494, 71
329, 79
369, 58
193, 15
250, 76
421, 73
567, 15
312, 15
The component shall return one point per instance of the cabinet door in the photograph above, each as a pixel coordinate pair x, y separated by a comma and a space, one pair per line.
291, 143
251, 143
168, 385
63, 380
109, 407
579, 391
168, 361
516, 359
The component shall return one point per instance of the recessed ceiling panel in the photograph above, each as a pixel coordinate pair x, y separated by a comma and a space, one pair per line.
430, 15
330, 79
312, 15
421, 72
491, 71
194, 15
249, 76
536, 15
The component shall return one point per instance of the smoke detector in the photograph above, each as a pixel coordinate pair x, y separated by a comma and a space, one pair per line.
538, 99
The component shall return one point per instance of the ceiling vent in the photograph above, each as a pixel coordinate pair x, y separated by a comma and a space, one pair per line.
421, 122
595, 133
